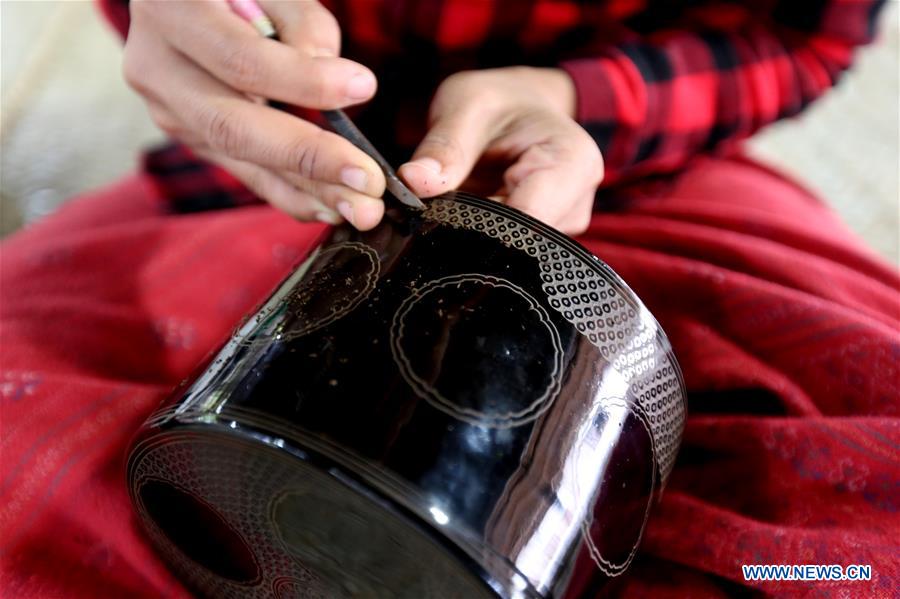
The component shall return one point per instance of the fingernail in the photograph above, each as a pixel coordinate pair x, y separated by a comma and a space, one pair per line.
361, 86
328, 217
346, 211
354, 178
429, 164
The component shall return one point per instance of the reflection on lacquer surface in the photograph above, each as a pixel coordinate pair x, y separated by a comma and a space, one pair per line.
459, 403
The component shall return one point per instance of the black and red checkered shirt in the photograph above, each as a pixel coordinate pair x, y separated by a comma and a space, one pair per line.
658, 81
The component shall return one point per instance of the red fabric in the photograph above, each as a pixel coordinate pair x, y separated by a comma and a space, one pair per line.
785, 326
711, 75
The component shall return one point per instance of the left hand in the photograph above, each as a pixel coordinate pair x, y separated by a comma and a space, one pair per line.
509, 132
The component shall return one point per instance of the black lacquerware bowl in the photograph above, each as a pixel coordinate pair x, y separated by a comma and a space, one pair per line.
460, 403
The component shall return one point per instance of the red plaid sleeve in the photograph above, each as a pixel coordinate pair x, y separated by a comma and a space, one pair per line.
116, 13
658, 81
715, 75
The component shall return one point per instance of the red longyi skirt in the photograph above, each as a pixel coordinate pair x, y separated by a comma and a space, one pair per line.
786, 327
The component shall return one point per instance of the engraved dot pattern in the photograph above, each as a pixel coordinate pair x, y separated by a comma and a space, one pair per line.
619, 326
242, 481
234, 484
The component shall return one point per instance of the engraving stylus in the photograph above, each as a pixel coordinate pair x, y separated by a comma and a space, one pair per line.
339, 121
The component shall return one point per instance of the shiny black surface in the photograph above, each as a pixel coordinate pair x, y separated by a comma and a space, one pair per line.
442, 361
202, 533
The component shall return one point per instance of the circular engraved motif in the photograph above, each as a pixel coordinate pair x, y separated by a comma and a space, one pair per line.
291, 588
296, 531
200, 531
596, 302
233, 484
337, 280
330, 284
479, 348
626, 490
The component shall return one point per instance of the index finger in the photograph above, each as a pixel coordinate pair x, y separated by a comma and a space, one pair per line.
222, 43
307, 26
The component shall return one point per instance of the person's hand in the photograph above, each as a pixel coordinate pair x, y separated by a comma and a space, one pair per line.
509, 132
203, 71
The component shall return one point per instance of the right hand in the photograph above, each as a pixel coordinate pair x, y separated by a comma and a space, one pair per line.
202, 71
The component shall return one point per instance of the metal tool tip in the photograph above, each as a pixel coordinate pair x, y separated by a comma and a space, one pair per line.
402, 193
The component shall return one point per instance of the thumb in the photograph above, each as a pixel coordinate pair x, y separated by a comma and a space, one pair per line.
447, 154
